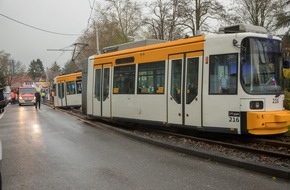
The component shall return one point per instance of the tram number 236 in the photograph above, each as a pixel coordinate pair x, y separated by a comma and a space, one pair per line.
234, 116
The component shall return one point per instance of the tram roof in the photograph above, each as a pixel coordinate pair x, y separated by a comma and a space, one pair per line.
194, 39
69, 77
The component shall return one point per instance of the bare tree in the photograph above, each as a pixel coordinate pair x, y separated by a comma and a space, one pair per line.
164, 20
128, 14
283, 18
258, 12
53, 71
69, 67
200, 14
116, 22
5, 68
9, 68
184, 16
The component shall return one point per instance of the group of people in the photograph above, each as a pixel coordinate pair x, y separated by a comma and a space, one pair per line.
38, 96
41, 95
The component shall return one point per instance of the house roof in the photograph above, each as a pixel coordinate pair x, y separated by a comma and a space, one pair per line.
20, 81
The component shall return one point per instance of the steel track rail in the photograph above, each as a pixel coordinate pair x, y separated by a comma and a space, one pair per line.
231, 145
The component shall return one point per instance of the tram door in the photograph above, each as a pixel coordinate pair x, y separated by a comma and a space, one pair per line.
60, 94
102, 92
184, 97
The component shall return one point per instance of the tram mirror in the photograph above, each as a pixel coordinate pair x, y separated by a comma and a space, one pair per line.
235, 43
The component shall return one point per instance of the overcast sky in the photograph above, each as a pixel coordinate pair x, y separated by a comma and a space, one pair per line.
26, 44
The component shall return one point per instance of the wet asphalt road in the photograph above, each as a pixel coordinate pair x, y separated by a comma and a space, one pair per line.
47, 149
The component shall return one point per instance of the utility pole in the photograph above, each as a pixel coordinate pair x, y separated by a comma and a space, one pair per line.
97, 38
47, 84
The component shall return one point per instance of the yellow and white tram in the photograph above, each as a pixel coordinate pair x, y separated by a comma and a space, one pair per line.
68, 90
228, 83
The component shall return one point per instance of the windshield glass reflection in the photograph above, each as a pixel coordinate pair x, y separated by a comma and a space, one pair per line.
261, 66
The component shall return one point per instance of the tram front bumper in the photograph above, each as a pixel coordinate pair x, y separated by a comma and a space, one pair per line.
268, 123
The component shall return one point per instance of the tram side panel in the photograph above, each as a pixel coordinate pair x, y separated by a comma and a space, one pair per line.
90, 86
74, 100
59, 95
221, 108
124, 97
151, 92
139, 107
135, 98
84, 86
227, 106
145, 100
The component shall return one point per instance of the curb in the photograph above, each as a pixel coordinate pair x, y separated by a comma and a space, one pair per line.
272, 171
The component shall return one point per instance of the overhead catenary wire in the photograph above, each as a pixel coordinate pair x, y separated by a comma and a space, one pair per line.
36, 28
92, 9
75, 44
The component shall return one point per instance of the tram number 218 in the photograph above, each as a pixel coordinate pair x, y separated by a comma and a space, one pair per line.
234, 116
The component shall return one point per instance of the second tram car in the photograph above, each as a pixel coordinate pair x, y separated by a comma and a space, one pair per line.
68, 90
228, 83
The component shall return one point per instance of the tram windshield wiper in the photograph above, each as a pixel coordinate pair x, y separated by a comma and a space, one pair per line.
278, 94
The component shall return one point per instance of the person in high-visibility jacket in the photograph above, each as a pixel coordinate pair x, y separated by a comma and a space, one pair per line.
43, 96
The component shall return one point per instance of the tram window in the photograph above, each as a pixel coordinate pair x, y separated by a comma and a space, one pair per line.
124, 80
176, 80
151, 78
192, 79
98, 84
223, 74
79, 87
61, 90
106, 83
70, 88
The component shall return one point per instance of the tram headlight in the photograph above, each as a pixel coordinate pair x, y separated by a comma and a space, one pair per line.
256, 105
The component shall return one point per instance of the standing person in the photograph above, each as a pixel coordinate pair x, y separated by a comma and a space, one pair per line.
52, 97
43, 96
37, 99
13, 97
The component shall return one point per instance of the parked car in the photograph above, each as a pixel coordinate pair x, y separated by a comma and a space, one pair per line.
0, 165
7, 96
2, 99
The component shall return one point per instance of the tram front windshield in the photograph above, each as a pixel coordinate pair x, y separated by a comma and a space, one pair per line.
261, 66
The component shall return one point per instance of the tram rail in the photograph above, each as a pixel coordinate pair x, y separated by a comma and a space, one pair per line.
277, 150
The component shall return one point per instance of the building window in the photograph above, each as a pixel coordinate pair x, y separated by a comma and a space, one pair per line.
151, 77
